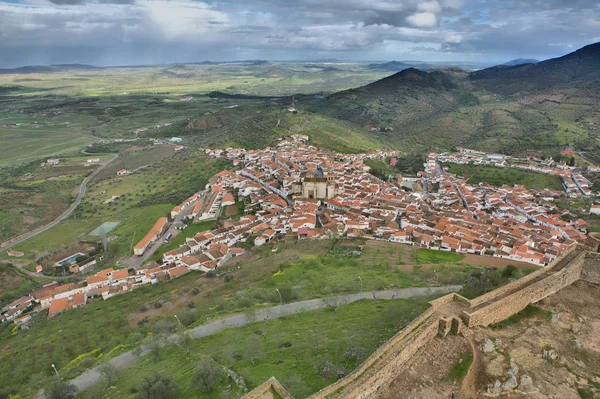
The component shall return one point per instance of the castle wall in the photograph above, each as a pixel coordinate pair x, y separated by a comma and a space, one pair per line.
511, 304
591, 268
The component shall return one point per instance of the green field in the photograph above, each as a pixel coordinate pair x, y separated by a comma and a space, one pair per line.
297, 350
476, 174
20, 146
302, 270
14, 283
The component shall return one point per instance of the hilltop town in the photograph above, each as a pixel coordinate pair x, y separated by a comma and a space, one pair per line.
296, 191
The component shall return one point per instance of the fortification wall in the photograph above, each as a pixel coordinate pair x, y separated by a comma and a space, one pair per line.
509, 305
382, 352
522, 282
371, 383
591, 268
264, 390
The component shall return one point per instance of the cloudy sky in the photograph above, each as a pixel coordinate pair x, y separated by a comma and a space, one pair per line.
126, 32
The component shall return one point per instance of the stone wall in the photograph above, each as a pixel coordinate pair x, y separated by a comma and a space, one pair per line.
263, 391
591, 268
522, 282
515, 302
382, 353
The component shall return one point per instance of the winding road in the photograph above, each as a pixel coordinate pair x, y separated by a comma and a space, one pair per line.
92, 376
64, 215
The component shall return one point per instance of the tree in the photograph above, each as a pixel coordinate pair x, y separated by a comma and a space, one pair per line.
61, 390
109, 373
572, 161
207, 375
159, 386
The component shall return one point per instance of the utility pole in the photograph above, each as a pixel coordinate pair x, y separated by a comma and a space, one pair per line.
280, 299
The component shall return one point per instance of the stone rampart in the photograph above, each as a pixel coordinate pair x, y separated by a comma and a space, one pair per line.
387, 349
524, 281
515, 302
591, 268
263, 391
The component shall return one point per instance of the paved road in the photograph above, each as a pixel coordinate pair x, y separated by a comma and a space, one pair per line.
91, 377
64, 215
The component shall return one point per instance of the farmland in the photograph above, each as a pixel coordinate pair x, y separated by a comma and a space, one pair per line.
19, 146
143, 198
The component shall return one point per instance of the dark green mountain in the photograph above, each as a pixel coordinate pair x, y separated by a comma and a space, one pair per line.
545, 107
580, 68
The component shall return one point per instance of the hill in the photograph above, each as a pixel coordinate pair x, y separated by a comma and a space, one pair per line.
580, 68
392, 106
521, 61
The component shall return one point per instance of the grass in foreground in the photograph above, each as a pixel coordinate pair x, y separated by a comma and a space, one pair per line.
432, 256
306, 352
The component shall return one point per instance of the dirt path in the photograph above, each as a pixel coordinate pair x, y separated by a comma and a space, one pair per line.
469, 384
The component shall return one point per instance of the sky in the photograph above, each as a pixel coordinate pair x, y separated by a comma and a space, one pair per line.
142, 32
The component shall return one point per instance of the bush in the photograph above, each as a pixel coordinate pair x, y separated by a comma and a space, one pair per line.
157, 305
159, 386
228, 278
206, 375
211, 274
195, 291
61, 390
509, 272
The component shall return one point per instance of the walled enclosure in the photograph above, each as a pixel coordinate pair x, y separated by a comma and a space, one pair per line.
385, 365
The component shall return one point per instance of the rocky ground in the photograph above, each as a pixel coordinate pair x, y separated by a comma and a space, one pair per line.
555, 353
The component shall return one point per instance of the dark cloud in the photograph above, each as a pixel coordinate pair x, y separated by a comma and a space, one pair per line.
156, 31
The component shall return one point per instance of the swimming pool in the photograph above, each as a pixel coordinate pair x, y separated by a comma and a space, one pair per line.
70, 260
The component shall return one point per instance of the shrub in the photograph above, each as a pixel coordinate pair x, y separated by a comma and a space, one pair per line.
159, 386
206, 375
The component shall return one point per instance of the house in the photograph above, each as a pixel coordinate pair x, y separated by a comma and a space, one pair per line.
265, 237
15, 254
227, 200
176, 140
177, 271
122, 172
57, 306
93, 160
594, 210
152, 236
39, 269
399, 236
52, 161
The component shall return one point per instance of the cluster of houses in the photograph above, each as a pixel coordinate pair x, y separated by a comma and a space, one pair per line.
297, 191
574, 183
509, 222
57, 298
